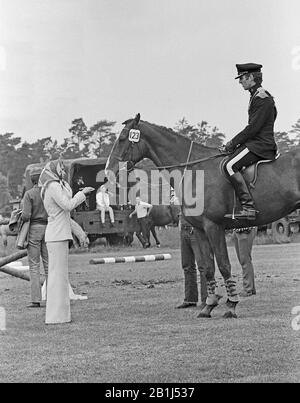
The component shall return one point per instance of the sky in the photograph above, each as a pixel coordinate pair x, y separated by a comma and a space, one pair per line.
166, 59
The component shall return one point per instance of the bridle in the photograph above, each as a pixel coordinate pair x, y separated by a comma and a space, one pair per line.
128, 153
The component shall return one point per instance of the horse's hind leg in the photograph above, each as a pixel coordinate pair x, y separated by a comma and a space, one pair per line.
153, 232
140, 238
216, 236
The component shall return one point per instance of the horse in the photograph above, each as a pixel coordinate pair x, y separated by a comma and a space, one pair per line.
160, 216
276, 192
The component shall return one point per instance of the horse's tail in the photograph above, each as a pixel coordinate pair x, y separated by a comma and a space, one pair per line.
174, 214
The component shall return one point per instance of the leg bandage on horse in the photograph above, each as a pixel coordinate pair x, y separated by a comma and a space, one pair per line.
231, 290
212, 298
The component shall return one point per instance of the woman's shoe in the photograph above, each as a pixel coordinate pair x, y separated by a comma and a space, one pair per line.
34, 305
186, 305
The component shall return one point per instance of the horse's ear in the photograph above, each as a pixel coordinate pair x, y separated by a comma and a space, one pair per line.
128, 121
137, 118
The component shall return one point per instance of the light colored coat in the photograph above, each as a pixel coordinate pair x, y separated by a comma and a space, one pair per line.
58, 203
102, 199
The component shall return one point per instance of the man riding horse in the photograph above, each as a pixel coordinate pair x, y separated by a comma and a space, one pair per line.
256, 142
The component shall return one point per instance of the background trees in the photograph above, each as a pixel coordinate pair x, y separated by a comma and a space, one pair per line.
285, 141
9, 159
4, 194
95, 141
76, 146
296, 130
202, 133
101, 138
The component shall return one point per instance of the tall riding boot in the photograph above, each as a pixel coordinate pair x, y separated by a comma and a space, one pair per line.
248, 211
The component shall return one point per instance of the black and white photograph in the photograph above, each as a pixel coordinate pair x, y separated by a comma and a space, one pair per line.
149, 194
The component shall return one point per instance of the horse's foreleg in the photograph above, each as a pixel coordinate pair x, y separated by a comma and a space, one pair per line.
216, 236
206, 263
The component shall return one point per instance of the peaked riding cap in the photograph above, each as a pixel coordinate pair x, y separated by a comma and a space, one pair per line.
247, 68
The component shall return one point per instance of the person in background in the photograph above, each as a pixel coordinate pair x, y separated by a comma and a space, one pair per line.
142, 211
79, 185
34, 211
103, 204
58, 201
243, 242
190, 255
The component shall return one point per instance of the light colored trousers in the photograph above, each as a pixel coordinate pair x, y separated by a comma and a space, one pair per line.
36, 249
58, 308
102, 213
243, 245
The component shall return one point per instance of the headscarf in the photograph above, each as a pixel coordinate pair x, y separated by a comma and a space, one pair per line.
53, 171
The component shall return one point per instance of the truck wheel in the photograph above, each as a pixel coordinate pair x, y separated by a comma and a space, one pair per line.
294, 228
115, 239
96, 240
281, 231
92, 238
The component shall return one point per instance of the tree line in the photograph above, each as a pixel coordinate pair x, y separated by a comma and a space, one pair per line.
94, 142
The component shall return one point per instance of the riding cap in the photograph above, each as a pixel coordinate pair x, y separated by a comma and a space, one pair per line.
247, 68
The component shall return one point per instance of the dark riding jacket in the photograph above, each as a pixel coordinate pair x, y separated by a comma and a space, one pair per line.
258, 136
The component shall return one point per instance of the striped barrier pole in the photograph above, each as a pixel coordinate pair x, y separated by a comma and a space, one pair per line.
22, 274
19, 271
131, 259
14, 256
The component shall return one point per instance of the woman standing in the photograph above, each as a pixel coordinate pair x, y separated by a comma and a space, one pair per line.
57, 197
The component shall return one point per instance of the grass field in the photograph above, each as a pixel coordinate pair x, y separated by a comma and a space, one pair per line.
128, 329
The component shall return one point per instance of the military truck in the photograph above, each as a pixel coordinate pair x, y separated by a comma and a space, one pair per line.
282, 229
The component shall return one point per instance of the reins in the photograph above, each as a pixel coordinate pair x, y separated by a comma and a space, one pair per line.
189, 163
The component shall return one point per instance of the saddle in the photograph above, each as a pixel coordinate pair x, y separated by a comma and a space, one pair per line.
249, 173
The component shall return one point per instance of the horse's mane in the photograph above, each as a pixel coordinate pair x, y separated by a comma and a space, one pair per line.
171, 131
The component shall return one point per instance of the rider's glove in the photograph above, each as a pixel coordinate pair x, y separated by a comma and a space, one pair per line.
229, 148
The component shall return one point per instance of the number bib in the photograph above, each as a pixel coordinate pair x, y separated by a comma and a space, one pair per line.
134, 135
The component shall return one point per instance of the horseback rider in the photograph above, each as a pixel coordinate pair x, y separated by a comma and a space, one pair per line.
256, 142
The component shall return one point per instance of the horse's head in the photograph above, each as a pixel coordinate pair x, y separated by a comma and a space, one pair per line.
129, 148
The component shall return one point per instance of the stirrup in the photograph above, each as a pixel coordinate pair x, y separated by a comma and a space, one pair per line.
249, 214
